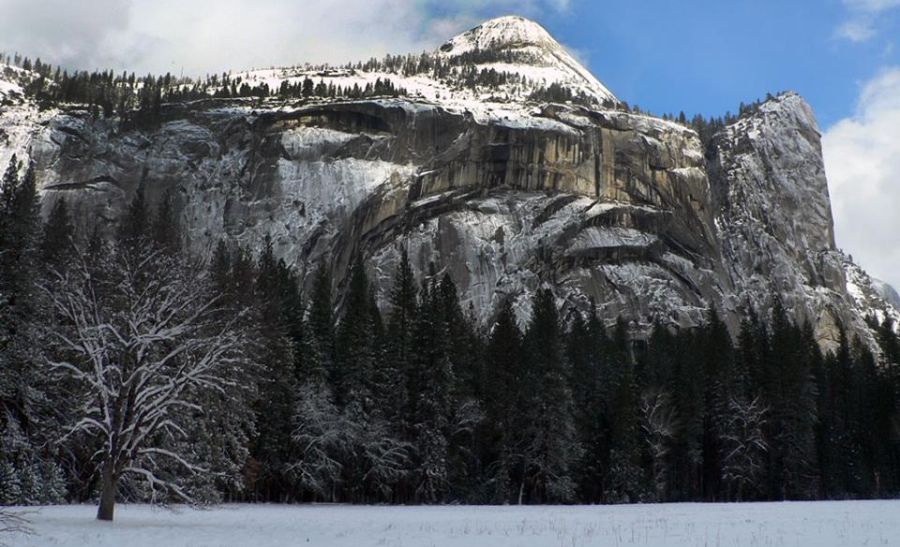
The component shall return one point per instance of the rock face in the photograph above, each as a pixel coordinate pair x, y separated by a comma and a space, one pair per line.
504, 193
774, 216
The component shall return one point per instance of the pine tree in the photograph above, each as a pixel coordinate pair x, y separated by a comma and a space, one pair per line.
242, 289
30, 482
220, 271
624, 482
19, 229
690, 388
587, 349
464, 348
320, 321
872, 423
27, 477
276, 291
10, 484
502, 395
380, 459
52, 484
23, 389
165, 227
887, 402
134, 227
658, 426
889, 341
548, 444
402, 321
465, 343
355, 343
431, 384
835, 449
790, 393
718, 370
57, 245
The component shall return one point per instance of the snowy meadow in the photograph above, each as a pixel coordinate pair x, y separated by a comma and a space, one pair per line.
814, 524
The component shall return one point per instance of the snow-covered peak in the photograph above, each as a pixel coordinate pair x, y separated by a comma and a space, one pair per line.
538, 56
503, 32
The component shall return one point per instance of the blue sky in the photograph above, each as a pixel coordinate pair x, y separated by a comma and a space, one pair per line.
699, 56
707, 56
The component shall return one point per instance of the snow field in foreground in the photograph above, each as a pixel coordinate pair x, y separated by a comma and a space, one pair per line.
814, 524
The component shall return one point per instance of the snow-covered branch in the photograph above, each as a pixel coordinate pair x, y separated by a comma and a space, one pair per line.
658, 425
744, 444
144, 342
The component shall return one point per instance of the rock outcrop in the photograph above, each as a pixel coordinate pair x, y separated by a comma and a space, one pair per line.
774, 216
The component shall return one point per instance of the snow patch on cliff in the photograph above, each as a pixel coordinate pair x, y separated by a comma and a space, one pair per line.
601, 238
330, 185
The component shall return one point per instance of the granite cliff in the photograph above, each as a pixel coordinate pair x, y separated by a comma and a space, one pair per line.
496, 185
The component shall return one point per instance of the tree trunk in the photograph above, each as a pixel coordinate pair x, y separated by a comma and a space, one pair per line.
108, 484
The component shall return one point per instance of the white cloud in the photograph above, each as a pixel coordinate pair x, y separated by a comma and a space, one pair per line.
861, 23
203, 36
856, 30
871, 5
862, 161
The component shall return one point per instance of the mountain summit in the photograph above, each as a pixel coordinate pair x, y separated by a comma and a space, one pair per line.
511, 31
537, 53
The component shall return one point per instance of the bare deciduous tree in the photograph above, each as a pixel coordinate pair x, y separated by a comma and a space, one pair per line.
339, 448
744, 445
658, 424
145, 342
323, 437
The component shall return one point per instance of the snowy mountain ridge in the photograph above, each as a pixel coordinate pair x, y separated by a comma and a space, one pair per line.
518, 52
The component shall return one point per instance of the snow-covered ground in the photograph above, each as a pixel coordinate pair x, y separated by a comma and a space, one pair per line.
813, 524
